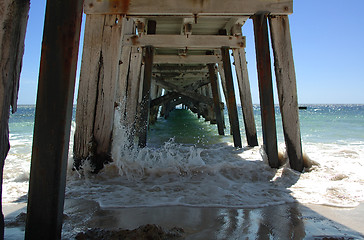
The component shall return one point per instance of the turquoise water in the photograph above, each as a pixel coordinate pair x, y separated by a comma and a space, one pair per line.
319, 123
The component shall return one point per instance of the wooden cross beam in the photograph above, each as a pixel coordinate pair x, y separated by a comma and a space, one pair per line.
189, 59
179, 68
181, 41
235, 21
179, 75
187, 8
164, 99
183, 91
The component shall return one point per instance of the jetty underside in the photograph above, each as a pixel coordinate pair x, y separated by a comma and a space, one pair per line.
139, 57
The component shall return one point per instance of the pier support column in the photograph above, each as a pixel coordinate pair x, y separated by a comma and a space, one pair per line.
132, 93
215, 96
245, 96
53, 117
223, 85
145, 103
97, 88
147, 81
265, 88
13, 24
287, 90
155, 92
232, 109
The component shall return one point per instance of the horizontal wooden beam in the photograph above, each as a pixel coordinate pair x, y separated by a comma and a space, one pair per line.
163, 99
189, 59
235, 21
177, 74
187, 7
179, 69
186, 92
181, 41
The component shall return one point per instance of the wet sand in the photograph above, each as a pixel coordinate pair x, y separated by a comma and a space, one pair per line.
288, 221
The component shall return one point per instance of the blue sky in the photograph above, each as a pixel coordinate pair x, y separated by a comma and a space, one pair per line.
328, 48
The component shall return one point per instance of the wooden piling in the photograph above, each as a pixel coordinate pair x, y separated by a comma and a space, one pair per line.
13, 23
287, 90
133, 88
214, 89
245, 96
265, 88
97, 89
53, 119
145, 103
147, 81
232, 109
155, 92
221, 71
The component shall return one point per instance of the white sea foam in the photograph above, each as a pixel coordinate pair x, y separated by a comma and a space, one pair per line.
220, 175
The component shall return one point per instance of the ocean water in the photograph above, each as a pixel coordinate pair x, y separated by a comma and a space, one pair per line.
186, 163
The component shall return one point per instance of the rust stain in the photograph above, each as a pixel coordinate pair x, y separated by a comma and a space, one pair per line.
119, 5
134, 40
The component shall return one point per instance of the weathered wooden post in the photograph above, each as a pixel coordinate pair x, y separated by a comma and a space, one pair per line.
215, 95
53, 119
13, 23
97, 88
147, 81
265, 88
245, 96
132, 93
287, 90
221, 72
145, 103
232, 109
155, 92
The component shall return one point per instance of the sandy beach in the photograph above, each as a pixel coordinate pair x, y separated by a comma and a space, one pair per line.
288, 221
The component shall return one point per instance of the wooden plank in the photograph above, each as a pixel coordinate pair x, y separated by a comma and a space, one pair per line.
215, 95
287, 89
189, 59
232, 109
188, 8
13, 23
53, 119
245, 96
265, 88
181, 41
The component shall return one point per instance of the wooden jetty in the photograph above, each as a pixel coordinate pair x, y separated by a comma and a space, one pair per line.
138, 57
